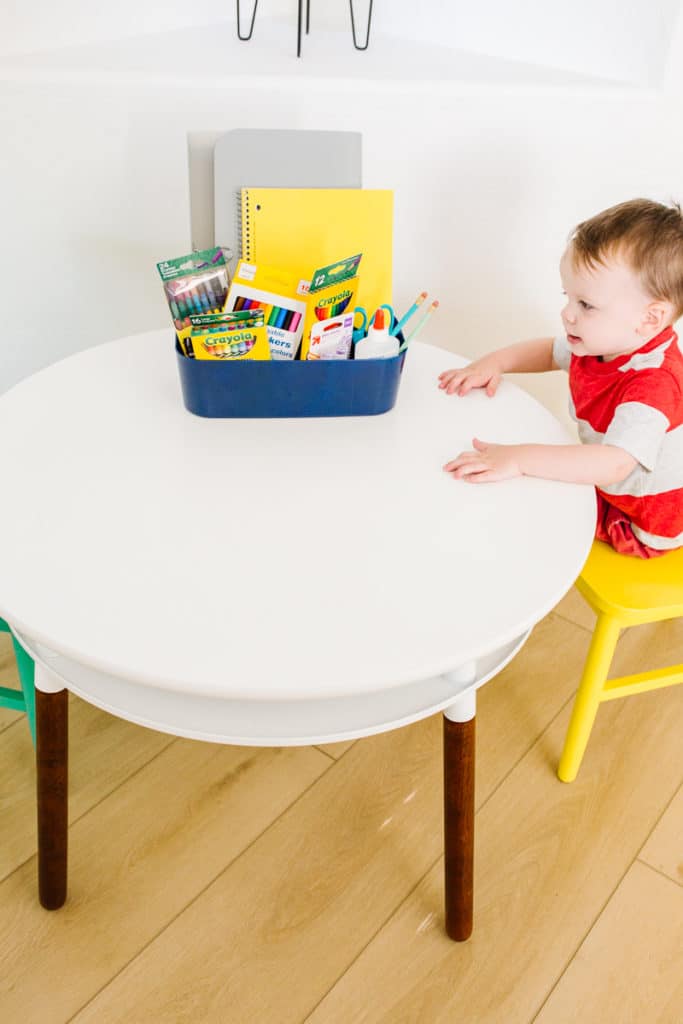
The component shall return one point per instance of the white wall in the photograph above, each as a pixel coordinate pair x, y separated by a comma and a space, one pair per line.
613, 39
44, 25
488, 183
487, 188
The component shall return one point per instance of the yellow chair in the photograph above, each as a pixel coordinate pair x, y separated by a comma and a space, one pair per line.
623, 591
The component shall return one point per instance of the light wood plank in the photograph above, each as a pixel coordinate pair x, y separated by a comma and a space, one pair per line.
336, 750
511, 709
137, 860
576, 609
629, 967
664, 848
300, 904
301, 901
8, 677
104, 752
9, 717
547, 854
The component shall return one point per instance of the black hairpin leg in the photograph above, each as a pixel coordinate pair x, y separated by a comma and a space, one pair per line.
251, 26
353, 27
300, 19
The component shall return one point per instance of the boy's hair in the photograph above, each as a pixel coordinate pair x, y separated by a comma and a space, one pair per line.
647, 235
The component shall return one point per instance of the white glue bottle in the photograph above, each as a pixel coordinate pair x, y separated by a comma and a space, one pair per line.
378, 344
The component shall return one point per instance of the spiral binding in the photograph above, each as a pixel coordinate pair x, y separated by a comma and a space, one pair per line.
243, 224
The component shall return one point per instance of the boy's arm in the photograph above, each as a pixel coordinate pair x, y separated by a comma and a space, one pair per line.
535, 356
599, 464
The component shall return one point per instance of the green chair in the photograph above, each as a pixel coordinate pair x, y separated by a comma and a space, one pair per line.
24, 699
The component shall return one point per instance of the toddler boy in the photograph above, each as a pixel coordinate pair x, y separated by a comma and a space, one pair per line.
622, 274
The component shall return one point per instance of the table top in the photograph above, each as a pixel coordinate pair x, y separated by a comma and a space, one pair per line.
271, 559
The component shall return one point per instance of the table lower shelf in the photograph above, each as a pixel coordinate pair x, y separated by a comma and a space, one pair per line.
268, 723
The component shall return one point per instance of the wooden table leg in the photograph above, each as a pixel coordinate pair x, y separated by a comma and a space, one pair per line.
458, 773
52, 744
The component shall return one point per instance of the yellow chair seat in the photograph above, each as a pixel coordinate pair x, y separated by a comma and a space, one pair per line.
635, 589
623, 591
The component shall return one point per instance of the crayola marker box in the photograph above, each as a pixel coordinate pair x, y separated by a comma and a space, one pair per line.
331, 294
195, 284
227, 336
274, 293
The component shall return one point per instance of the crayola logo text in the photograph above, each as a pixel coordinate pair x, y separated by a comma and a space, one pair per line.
234, 337
334, 299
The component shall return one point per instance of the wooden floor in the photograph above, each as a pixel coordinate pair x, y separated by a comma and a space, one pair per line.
231, 885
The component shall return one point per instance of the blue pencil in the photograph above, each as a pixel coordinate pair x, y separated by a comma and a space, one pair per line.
413, 309
423, 321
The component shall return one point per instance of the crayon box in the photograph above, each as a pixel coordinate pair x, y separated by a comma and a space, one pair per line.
330, 294
227, 336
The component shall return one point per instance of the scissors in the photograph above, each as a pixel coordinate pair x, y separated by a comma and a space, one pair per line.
362, 330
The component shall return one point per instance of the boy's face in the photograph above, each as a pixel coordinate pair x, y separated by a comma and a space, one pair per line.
606, 312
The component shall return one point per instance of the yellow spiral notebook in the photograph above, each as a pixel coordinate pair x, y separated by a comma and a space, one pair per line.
301, 229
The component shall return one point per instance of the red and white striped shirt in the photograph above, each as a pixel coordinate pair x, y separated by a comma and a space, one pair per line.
636, 403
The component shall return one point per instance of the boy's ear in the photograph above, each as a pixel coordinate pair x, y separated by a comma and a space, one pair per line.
658, 315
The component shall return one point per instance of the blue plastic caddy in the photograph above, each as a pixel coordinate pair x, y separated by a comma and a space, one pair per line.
255, 388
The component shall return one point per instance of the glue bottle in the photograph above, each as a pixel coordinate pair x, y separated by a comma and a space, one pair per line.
378, 344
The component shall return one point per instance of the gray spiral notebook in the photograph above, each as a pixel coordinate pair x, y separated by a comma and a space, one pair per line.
264, 158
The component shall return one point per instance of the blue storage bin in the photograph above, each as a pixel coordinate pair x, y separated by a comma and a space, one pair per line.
256, 388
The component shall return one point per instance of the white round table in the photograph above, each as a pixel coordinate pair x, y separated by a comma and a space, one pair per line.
270, 581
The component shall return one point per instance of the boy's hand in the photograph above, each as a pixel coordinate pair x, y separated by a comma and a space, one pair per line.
482, 373
486, 464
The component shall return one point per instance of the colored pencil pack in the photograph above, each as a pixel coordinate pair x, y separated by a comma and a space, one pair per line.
331, 294
194, 285
274, 292
227, 336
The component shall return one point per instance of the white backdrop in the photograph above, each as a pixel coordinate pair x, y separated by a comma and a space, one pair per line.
610, 38
488, 182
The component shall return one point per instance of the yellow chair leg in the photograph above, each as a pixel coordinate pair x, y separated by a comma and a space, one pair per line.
595, 671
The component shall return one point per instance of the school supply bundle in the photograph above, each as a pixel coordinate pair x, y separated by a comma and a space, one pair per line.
328, 383
283, 342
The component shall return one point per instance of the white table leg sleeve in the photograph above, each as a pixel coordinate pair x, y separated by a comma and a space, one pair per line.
464, 708
46, 681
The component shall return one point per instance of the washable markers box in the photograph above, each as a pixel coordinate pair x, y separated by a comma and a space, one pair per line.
274, 291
